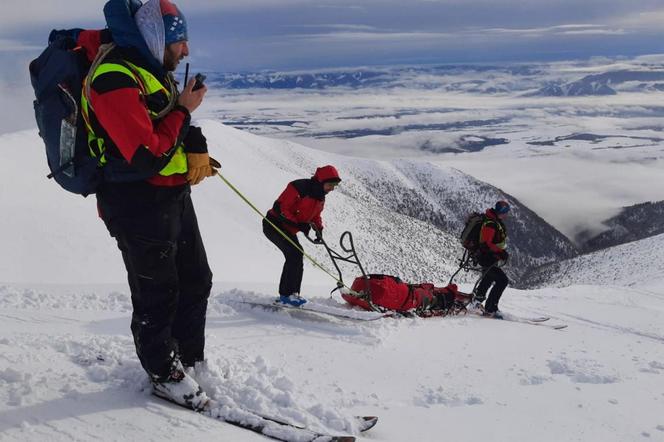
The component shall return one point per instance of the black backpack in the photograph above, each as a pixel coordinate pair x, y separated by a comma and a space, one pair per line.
57, 77
470, 235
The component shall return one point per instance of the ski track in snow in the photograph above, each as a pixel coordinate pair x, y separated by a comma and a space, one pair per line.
68, 369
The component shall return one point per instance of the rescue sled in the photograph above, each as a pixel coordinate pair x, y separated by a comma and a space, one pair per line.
387, 293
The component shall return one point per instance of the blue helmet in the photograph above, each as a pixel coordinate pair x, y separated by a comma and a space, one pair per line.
501, 207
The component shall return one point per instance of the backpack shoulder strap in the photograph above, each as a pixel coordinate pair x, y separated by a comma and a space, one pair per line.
120, 65
104, 50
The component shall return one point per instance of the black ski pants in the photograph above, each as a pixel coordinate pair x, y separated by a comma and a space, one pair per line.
492, 275
169, 277
291, 274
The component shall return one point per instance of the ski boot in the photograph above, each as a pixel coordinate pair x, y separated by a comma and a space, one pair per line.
476, 305
495, 315
294, 300
180, 388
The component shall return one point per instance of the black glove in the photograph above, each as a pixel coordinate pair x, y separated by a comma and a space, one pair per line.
195, 141
319, 237
304, 228
502, 255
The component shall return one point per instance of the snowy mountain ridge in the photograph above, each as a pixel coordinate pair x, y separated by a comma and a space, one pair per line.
405, 216
634, 264
631, 224
607, 83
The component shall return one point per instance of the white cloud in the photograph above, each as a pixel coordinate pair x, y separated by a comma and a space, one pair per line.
566, 29
336, 37
595, 32
345, 27
8, 45
643, 20
363, 33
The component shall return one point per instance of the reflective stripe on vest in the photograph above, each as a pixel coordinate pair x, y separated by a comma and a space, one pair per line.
500, 230
148, 84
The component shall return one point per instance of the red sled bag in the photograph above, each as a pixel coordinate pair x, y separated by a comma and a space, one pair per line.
386, 291
391, 293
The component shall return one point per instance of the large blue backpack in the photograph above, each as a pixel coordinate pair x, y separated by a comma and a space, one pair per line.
57, 77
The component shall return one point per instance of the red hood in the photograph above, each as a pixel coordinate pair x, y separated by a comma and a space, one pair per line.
326, 173
491, 213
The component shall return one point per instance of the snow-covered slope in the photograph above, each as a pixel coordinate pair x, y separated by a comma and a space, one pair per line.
405, 216
68, 370
635, 264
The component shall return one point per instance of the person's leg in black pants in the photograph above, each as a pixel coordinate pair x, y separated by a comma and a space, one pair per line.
195, 283
149, 242
496, 276
291, 274
484, 284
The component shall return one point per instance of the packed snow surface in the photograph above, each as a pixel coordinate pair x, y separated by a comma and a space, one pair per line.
68, 369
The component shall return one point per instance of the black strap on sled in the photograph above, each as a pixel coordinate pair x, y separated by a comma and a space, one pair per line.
349, 255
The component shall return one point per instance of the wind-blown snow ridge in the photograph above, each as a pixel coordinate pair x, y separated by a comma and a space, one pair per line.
635, 264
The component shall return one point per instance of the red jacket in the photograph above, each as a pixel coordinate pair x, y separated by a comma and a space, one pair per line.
121, 117
493, 233
302, 202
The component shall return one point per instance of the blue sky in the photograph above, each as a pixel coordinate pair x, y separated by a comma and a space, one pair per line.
237, 35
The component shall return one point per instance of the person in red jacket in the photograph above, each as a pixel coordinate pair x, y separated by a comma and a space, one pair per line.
493, 237
152, 156
298, 209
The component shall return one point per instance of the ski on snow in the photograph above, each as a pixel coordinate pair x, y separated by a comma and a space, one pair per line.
537, 320
320, 309
272, 427
316, 308
364, 423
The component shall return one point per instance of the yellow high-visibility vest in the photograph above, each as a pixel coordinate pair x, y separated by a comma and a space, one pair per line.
148, 84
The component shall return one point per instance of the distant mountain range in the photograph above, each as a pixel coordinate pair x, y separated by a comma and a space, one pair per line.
605, 83
533, 80
449, 77
389, 77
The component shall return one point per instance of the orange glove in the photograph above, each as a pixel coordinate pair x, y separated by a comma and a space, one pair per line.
198, 167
